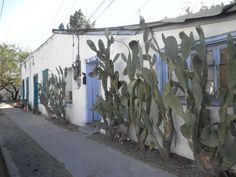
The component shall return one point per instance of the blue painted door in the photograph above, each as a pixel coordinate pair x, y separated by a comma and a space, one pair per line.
27, 88
93, 89
36, 101
23, 89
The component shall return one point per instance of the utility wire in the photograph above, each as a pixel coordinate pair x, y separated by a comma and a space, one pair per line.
75, 1
1, 9
99, 6
59, 9
104, 10
138, 11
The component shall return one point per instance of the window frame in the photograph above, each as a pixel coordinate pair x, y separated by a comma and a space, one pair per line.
27, 88
23, 89
45, 74
69, 93
215, 43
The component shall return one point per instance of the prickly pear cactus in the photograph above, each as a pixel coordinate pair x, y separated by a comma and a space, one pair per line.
209, 142
146, 107
52, 94
115, 115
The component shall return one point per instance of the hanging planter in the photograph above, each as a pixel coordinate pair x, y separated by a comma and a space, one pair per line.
76, 69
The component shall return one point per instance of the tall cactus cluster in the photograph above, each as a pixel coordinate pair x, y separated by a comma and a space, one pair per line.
213, 144
52, 94
139, 103
109, 107
146, 107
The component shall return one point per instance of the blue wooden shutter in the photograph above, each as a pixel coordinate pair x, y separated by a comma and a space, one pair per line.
23, 89
27, 88
45, 75
162, 73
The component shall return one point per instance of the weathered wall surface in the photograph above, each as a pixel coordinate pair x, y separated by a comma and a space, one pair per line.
62, 50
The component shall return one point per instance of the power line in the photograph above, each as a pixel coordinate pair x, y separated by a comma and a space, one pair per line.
99, 6
138, 11
104, 10
59, 9
2, 8
75, 1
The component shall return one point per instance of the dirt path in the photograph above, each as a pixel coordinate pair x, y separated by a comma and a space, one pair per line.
30, 158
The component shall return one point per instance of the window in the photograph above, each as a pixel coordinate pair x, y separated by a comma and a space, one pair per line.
22, 89
222, 67
45, 75
69, 86
217, 59
162, 73
27, 88
212, 69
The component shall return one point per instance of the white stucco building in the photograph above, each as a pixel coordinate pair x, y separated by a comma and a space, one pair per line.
63, 48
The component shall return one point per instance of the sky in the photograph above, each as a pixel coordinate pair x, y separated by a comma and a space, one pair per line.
28, 23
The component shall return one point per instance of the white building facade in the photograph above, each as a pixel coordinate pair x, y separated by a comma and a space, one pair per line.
63, 48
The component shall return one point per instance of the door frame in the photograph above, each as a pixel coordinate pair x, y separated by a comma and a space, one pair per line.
36, 94
89, 96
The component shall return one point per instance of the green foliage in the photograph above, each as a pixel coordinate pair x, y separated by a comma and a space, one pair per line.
52, 94
110, 107
209, 142
148, 109
79, 21
61, 27
140, 97
11, 57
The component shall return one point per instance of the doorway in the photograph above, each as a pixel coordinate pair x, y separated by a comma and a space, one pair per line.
36, 100
92, 89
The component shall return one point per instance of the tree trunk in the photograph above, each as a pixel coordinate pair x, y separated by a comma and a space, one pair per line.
16, 95
13, 93
16, 91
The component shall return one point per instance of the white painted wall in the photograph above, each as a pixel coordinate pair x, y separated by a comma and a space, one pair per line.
182, 148
59, 50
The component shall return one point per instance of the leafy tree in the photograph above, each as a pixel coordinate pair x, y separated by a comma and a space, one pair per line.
10, 59
79, 21
61, 27
189, 8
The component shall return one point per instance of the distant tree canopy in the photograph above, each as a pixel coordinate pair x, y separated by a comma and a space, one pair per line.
61, 27
189, 8
78, 21
10, 70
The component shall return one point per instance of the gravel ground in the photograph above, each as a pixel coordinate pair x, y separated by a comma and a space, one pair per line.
177, 165
29, 157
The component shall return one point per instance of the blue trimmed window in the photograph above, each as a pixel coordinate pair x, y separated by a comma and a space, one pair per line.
27, 88
23, 89
162, 73
45, 75
217, 60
